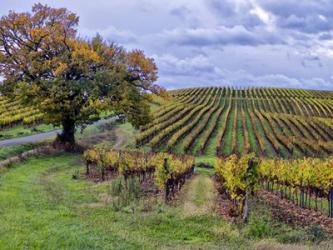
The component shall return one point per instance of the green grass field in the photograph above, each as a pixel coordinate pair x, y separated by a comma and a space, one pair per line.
42, 207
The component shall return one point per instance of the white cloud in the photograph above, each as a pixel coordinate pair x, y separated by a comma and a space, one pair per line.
172, 65
323, 18
111, 33
265, 16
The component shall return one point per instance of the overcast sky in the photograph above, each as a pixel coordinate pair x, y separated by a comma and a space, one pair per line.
285, 43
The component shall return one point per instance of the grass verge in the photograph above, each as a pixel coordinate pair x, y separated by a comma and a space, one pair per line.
42, 207
21, 131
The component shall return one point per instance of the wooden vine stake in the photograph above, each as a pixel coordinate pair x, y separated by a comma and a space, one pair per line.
302, 200
331, 203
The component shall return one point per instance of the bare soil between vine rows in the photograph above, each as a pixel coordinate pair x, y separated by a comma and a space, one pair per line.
290, 212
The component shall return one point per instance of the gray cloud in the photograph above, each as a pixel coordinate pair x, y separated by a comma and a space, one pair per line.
311, 61
181, 12
175, 75
231, 13
309, 24
237, 35
284, 43
325, 36
306, 16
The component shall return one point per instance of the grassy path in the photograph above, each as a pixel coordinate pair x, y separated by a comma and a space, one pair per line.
199, 195
124, 136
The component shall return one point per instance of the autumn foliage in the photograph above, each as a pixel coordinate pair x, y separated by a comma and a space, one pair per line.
71, 80
170, 171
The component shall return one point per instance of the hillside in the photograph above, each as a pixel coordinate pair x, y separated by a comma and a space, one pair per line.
271, 122
13, 113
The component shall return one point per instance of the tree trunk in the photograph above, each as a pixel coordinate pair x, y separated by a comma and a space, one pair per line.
68, 132
246, 208
87, 169
167, 193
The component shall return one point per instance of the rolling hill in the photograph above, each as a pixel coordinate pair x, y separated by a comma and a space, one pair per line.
272, 122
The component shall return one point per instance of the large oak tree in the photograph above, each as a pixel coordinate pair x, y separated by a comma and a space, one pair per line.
71, 80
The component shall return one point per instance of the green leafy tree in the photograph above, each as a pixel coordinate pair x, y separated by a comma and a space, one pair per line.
71, 80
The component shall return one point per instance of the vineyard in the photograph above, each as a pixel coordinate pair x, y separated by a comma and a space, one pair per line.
271, 122
306, 182
168, 171
13, 113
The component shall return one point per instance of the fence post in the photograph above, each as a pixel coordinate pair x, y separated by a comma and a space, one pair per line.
331, 202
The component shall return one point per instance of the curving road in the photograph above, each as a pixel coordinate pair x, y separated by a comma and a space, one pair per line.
30, 138
44, 136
